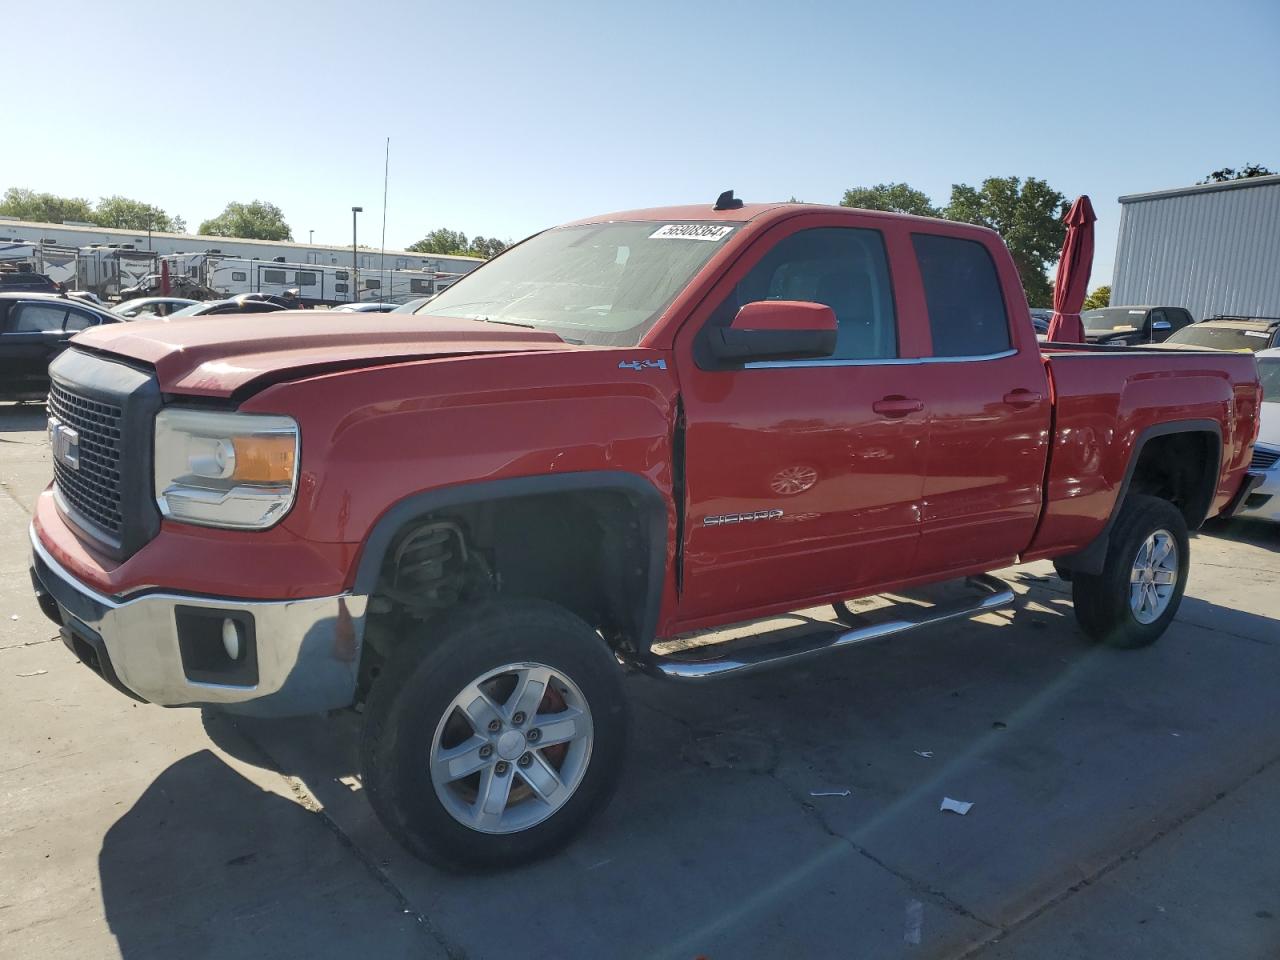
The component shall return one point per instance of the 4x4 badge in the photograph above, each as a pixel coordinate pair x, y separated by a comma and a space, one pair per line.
641, 364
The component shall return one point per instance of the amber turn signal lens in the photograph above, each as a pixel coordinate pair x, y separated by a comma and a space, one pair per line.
264, 459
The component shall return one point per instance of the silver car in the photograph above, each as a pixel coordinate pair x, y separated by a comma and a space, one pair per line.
1264, 501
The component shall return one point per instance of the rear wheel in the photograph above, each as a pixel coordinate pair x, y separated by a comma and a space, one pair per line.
493, 742
1136, 596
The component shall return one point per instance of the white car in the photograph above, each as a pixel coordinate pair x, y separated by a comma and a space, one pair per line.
145, 307
1264, 501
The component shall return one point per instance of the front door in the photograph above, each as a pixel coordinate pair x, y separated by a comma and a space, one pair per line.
802, 478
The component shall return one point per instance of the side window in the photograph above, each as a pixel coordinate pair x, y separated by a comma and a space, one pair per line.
962, 291
37, 318
339, 288
239, 276
372, 284
79, 320
306, 278
1180, 318
273, 276
843, 267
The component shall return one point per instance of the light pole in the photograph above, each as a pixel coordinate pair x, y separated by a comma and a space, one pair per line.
355, 269
311, 237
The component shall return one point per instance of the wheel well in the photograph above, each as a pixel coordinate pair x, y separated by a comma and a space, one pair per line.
589, 551
1181, 468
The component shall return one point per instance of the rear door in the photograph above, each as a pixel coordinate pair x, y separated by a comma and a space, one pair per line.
802, 478
986, 391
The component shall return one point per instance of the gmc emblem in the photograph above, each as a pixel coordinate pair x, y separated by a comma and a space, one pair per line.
65, 442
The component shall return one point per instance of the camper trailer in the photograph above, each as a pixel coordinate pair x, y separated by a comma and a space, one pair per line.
317, 284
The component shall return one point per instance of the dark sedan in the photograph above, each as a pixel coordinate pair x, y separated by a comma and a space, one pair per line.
241, 304
35, 328
1131, 326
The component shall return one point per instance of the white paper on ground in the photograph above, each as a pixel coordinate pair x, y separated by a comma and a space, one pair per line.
955, 806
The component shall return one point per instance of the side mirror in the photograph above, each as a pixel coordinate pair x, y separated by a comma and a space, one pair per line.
776, 330
1162, 325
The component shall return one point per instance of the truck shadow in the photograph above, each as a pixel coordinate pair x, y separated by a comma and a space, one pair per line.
1070, 752
206, 864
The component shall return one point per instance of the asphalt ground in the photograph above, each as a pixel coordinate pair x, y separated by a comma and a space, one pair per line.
1125, 803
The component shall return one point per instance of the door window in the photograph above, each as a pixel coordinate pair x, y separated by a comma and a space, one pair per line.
37, 318
841, 267
962, 291
79, 320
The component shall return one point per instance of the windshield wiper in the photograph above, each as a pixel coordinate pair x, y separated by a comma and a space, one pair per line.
508, 323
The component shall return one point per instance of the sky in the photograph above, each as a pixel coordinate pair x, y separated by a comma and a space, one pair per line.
506, 118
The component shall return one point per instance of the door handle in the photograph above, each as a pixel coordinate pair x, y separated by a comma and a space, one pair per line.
1022, 398
897, 406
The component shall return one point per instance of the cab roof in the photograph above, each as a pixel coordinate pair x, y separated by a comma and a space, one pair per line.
747, 213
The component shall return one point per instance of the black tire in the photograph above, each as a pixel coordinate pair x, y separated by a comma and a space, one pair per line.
415, 689
1102, 601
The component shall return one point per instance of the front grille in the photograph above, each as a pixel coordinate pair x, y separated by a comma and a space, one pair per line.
105, 496
94, 490
1264, 459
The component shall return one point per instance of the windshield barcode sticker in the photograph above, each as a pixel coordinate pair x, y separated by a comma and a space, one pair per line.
1257, 333
691, 231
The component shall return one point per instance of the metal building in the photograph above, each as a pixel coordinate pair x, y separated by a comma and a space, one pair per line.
1213, 248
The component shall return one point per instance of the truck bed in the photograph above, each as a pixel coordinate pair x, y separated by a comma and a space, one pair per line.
1108, 400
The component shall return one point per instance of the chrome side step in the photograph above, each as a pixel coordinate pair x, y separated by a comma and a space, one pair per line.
998, 594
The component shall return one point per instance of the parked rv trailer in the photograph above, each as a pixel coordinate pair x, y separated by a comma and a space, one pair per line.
107, 270
317, 284
55, 262
76, 236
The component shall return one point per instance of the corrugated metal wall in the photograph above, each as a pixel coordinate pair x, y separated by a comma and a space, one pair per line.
1212, 251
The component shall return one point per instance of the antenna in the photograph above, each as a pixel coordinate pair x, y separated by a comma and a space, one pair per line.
727, 201
382, 263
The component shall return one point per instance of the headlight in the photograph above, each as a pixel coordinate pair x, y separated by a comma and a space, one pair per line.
225, 469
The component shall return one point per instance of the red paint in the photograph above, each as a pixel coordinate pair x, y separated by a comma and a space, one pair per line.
886, 474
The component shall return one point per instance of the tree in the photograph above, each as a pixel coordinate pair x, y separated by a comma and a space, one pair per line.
454, 243
893, 197
1027, 215
1100, 298
258, 220
442, 241
482, 247
1244, 173
135, 215
44, 207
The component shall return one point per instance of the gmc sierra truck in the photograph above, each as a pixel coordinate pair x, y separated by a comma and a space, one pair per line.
469, 521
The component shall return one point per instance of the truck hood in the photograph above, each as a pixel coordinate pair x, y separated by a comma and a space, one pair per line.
222, 354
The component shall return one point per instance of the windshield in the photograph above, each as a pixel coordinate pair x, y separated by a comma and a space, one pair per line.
190, 311
1269, 374
413, 306
604, 283
1222, 338
1114, 319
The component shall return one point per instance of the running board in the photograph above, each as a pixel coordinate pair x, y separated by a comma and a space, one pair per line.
785, 652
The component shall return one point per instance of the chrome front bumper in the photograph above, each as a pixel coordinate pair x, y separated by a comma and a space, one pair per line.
306, 652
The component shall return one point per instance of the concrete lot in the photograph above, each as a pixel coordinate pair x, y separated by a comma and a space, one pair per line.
1126, 804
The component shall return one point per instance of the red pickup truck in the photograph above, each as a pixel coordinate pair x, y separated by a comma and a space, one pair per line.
470, 519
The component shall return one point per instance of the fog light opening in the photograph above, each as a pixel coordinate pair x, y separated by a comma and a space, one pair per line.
232, 641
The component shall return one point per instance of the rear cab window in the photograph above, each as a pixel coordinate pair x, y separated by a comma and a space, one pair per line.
967, 316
